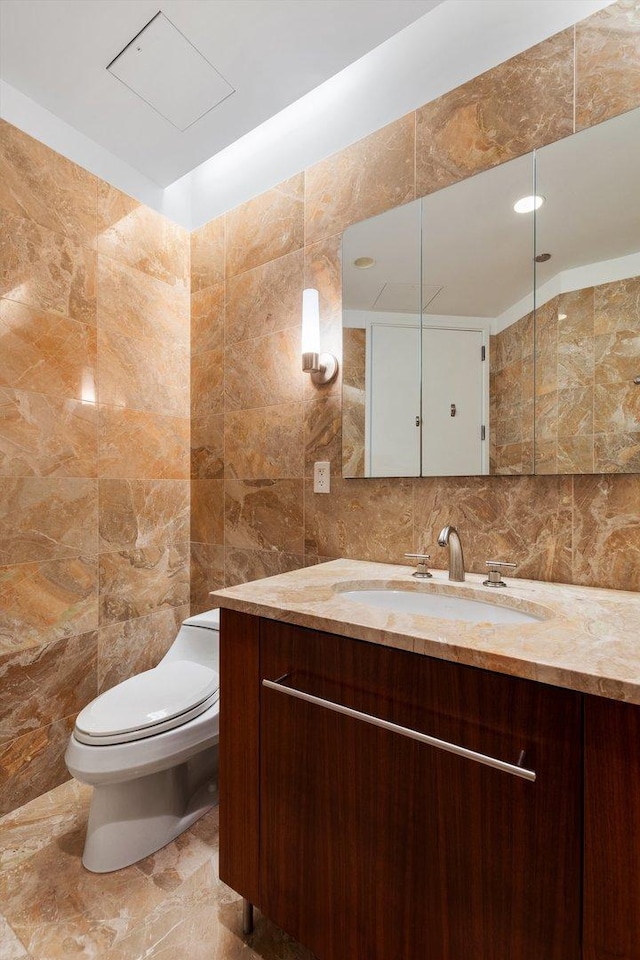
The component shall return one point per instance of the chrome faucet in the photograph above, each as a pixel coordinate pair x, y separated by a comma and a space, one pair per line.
449, 537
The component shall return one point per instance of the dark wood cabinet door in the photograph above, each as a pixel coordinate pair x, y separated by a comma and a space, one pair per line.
374, 846
239, 752
612, 830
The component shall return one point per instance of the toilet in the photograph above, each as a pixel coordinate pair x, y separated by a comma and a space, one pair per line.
149, 749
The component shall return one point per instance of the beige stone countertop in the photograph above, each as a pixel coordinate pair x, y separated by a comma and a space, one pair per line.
589, 641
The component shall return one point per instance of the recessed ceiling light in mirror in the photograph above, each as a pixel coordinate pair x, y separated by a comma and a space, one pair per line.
528, 204
363, 263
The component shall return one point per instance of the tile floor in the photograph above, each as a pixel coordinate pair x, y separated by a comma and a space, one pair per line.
168, 907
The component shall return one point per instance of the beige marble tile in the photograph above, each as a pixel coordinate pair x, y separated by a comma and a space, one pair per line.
607, 63
142, 514
264, 515
144, 376
46, 270
177, 862
207, 447
207, 573
616, 408
370, 519
44, 602
265, 443
520, 104
323, 270
575, 362
133, 646
207, 319
616, 356
617, 452
575, 454
362, 180
575, 411
46, 436
577, 312
138, 305
46, 519
546, 416
207, 384
525, 520
41, 185
322, 434
46, 683
617, 306
546, 372
42, 821
32, 765
207, 511
264, 371
139, 237
52, 902
508, 460
265, 228
265, 299
606, 532
10, 947
242, 565
546, 457
207, 254
137, 582
46, 353
139, 443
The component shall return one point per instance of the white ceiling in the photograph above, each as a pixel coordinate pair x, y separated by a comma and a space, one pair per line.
271, 52
310, 77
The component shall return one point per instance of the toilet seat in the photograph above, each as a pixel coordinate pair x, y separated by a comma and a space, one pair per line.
154, 701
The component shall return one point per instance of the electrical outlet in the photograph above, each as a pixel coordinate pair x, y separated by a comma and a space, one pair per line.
322, 476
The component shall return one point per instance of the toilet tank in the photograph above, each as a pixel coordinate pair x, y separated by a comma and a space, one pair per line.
197, 640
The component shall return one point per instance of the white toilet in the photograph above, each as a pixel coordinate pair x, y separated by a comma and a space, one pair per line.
149, 748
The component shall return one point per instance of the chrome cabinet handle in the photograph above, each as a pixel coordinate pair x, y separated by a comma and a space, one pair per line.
482, 758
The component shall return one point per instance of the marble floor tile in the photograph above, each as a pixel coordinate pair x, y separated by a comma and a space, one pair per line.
10, 946
170, 906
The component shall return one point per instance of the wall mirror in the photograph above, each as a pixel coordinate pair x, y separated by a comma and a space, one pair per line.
481, 340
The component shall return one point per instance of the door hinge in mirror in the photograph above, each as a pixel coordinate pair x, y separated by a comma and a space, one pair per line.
483, 353
483, 432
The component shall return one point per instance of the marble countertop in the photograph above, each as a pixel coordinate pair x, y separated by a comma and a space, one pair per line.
589, 641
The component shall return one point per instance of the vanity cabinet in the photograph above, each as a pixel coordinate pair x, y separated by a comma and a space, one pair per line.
365, 843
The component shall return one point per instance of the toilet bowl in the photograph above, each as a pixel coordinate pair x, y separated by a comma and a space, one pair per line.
149, 749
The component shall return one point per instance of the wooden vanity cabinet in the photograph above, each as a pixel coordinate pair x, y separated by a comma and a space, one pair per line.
364, 844
612, 830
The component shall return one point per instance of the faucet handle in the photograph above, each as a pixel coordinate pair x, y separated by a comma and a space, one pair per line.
422, 573
495, 572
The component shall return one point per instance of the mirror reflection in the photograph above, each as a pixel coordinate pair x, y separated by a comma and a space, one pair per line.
588, 301
432, 288
424, 288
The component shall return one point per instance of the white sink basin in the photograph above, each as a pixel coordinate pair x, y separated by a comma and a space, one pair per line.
444, 606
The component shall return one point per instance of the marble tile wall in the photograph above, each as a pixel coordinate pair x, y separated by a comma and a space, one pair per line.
258, 427
94, 449
587, 413
511, 399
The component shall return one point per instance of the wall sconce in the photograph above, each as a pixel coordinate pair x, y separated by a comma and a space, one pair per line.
323, 367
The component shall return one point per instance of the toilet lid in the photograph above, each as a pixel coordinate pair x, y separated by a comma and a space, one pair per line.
151, 701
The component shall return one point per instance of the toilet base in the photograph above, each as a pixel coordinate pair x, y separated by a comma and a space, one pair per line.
131, 820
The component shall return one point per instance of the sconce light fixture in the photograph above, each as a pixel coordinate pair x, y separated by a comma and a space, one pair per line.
323, 367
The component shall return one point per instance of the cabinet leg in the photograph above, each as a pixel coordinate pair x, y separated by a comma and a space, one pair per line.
247, 917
